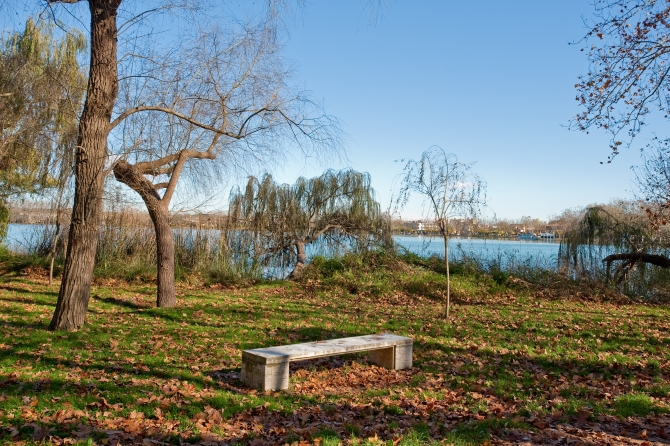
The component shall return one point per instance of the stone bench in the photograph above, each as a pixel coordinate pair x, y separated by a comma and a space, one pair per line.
267, 368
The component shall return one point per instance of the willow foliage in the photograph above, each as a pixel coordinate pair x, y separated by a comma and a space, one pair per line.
41, 91
337, 210
621, 228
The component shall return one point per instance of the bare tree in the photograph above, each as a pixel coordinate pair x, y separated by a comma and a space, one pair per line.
628, 47
450, 189
235, 104
653, 182
100, 120
339, 206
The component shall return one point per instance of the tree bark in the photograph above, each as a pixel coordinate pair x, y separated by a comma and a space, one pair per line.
300, 260
165, 294
94, 127
158, 211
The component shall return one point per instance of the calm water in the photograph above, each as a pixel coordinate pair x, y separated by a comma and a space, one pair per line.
545, 252
435, 245
18, 235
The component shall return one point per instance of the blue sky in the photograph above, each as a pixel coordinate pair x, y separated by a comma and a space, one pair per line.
492, 82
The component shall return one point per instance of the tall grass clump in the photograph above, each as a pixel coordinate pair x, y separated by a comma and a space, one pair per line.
126, 247
501, 264
209, 251
398, 275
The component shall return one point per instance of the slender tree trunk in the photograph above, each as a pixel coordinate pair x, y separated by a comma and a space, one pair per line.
56, 237
445, 235
70, 313
52, 254
158, 211
300, 261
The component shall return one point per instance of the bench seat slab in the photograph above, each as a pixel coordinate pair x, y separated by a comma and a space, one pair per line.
267, 368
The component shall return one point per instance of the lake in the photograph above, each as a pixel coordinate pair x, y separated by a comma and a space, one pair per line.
19, 234
435, 245
542, 252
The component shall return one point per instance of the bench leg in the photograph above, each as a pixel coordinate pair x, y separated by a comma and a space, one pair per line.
384, 357
265, 377
403, 356
394, 358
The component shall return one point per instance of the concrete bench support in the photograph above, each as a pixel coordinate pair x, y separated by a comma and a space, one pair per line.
267, 368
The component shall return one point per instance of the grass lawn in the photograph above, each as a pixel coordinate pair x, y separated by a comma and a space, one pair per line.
514, 366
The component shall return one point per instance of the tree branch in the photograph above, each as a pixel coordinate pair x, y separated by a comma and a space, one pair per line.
169, 111
654, 259
184, 156
318, 234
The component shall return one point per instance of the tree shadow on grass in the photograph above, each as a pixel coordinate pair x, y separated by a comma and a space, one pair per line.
24, 291
134, 304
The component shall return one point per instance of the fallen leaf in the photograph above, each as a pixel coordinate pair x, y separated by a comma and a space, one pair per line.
583, 415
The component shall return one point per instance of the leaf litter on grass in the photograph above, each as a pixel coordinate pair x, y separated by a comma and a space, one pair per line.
508, 369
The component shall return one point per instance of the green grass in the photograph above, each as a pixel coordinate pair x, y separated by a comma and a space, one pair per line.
508, 365
637, 405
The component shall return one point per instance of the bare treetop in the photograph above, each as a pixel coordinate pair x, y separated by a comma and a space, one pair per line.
628, 48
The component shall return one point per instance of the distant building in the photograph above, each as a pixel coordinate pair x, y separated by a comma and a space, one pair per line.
422, 226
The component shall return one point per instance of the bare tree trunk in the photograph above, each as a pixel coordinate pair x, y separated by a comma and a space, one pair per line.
94, 125
165, 294
52, 254
445, 236
132, 177
300, 261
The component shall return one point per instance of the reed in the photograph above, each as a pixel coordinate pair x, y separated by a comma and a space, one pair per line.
207, 250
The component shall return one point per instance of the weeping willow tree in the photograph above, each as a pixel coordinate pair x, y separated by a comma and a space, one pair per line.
618, 244
41, 92
337, 208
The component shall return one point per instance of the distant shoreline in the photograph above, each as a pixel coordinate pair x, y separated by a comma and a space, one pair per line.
395, 234
511, 237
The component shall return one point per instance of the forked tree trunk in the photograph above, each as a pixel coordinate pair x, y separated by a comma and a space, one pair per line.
158, 211
300, 260
70, 313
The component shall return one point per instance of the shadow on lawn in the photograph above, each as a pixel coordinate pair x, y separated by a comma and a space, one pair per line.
135, 304
256, 425
545, 364
24, 291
